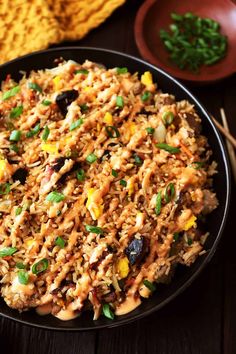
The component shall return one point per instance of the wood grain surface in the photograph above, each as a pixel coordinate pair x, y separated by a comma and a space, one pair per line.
202, 320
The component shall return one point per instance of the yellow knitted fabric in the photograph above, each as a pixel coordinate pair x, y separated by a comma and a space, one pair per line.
29, 25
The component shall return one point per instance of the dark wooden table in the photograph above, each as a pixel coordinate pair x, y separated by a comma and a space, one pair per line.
202, 320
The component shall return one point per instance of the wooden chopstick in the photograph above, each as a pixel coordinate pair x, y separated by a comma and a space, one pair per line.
225, 132
228, 144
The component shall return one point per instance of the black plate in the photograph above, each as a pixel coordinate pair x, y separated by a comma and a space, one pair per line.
215, 221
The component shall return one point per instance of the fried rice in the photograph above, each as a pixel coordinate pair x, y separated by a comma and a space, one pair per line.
104, 182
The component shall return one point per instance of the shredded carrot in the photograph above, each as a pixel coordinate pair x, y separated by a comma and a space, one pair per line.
186, 150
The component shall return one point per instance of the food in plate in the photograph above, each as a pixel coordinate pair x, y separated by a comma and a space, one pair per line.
104, 182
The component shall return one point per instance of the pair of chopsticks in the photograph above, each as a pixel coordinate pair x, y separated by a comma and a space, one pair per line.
230, 140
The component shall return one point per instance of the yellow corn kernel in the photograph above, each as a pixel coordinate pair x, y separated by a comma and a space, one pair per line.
130, 187
50, 148
3, 165
87, 88
108, 118
123, 267
56, 80
29, 242
190, 223
146, 78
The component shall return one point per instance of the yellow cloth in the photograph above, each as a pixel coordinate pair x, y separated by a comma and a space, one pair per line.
29, 25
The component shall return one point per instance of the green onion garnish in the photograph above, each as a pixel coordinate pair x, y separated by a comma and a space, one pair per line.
121, 70
10, 93
83, 107
158, 203
149, 285
18, 211
34, 86
46, 102
5, 188
114, 173
169, 192
14, 147
190, 241
145, 96
20, 265
91, 158
16, 112
23, 277
76, 124
137, 160
168, 148
60, 242
107, 312
198, 164
7, 251
81, 71
55, 197
176, 236
33, 131
168, 117
80, 174
46, 133
112, 131
123, 183
120, 101
94, 229
15, 135
150, 130
40, 266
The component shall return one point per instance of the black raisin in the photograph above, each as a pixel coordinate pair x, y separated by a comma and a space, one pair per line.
137, 250
20, 175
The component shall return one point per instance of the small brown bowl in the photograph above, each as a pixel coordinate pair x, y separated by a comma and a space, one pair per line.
155, 14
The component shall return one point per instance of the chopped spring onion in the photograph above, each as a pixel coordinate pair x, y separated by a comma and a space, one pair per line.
112, 131
34, 86
83, 107
150, 130
46, 133
76, 124
82, 71
146, 96
14, 148
46, 102
149, 285
198, 164
5, 188
158, 203
190, 241
94, 229
121, 70
23, 277
15, 135
80, 174
120, 101
107, 312
169, 192
60, 242
40, 266
33, 131
168, 148
20, 265
137, 160
123, 183
55, 197
114, 173
18, 211
7, 251
176, 236
91, 158
10, 93
168, 117
16, 112
194, 41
